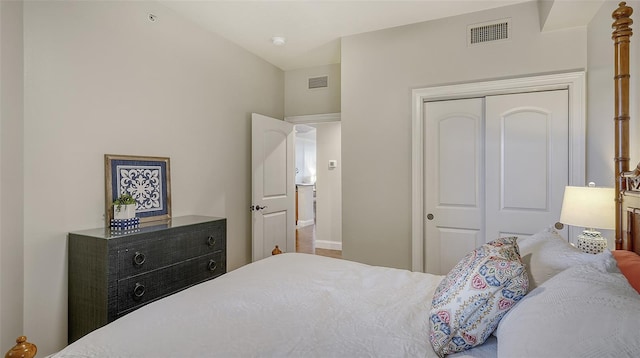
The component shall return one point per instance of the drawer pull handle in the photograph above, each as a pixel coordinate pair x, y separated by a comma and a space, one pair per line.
138, 291
139, 259
212, 265
211, 241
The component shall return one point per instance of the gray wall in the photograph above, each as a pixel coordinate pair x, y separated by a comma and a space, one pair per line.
11, 176
299, 100
379, 70
101, 78
329, 185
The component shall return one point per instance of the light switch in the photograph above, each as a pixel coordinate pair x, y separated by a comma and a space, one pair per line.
333, 164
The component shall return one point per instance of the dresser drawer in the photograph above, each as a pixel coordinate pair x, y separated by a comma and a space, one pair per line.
141, 289
159, 251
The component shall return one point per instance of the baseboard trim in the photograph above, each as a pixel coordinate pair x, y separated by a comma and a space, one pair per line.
328, 245
303, 223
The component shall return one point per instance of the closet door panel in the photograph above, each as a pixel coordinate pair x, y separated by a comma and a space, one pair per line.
525, 134
526, 160
454, 181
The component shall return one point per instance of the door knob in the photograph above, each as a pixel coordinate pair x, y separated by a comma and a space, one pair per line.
559, 226
429, 216
257, 207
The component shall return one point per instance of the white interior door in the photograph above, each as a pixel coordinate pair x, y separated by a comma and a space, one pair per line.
527, 136
273, 187
493, 166
454, 180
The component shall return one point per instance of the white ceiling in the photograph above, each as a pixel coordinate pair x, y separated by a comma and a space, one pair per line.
313, 28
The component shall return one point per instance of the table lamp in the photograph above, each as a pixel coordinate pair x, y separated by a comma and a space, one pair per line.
591, 208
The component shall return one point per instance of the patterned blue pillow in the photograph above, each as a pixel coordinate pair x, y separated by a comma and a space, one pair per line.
470, 301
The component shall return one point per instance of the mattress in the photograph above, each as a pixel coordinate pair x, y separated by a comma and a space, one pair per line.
293, 305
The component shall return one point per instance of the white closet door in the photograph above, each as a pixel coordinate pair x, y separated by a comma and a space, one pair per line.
494, 166
454, 181
527, 158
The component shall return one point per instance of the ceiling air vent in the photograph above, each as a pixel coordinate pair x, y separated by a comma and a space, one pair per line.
319, 82
492, 31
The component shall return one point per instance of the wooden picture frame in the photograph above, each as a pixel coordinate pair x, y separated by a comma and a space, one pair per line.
147, 179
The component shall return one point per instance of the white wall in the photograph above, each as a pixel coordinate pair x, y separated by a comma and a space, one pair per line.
101, 78
329, 186
11, 176
379, 70
300, 100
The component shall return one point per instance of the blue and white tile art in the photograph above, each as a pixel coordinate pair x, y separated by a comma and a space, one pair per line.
146, 181
143, 183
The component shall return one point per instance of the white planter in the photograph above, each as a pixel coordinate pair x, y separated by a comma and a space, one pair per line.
124, 211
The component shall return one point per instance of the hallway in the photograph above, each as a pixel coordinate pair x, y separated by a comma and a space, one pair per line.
305, 243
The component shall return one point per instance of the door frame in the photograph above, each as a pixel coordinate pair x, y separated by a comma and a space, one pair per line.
573, 81
314, 118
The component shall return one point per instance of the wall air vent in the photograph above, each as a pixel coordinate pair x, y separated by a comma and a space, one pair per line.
499, 30
318, 82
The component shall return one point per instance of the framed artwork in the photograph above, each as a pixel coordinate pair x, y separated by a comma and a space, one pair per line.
146, 179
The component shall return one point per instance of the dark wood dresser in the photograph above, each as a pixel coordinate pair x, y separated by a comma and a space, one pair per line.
112, 274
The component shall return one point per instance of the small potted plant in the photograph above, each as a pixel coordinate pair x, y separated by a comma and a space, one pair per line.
124, 207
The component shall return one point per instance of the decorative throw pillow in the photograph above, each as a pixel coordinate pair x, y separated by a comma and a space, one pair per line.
546, 254
471, 299
583, 312
629, 265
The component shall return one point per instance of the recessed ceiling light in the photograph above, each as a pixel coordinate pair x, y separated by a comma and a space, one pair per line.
278, 40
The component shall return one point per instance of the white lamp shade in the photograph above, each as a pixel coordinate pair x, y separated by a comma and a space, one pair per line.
588, 207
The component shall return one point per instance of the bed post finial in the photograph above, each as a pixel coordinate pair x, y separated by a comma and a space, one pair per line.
621, 38
622, 16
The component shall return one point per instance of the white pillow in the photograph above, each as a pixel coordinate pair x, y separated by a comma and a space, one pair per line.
546, 254
583, 312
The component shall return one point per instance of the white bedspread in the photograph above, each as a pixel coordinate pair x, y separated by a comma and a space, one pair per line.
293, 305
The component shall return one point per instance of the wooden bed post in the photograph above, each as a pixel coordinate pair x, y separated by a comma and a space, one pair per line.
621, 37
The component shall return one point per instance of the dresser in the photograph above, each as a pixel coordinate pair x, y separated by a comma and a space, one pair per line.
112, 273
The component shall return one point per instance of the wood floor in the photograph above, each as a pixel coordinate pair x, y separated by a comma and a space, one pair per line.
305, 243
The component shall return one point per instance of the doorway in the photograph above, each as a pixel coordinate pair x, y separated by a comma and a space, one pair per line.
319, 184
306, 168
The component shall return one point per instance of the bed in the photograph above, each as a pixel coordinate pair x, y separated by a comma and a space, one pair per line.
545, 298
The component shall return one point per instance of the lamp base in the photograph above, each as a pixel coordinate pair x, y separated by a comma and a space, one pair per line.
591, 242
